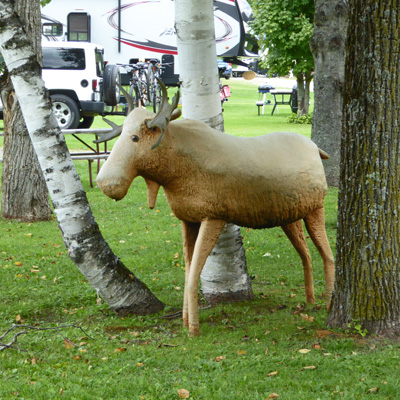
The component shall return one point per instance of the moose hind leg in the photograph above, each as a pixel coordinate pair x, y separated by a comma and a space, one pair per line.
295, 233
315, 224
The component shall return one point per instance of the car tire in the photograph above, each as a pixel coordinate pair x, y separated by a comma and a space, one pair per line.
111, 90
86, 123
66, 111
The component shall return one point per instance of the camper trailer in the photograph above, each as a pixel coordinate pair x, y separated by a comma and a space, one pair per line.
137, 30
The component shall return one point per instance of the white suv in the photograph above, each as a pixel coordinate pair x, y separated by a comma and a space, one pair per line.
79, 82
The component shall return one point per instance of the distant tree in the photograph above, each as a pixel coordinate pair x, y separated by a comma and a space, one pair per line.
284, 29
105, 272
367, 288
328, 46
24, 194
225, 275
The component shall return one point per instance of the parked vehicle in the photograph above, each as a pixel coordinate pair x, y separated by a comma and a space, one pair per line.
140, 30
225, 69
79, 83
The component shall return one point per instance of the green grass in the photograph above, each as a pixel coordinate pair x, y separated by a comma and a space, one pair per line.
152, 357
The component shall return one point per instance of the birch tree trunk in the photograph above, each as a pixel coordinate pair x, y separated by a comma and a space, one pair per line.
24, 195
367, 288
224, 276
121, 290
328, 48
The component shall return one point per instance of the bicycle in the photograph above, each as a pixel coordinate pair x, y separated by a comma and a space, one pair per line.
138, 87
155, 70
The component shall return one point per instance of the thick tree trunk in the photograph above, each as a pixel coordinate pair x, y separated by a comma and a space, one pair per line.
24, 194
225, 275
328, 47
121, 290
367, 288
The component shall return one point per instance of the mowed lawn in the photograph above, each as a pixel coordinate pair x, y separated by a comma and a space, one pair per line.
273, 346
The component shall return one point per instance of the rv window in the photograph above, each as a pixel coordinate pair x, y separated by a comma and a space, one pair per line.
78, 27
52, 29
60, 58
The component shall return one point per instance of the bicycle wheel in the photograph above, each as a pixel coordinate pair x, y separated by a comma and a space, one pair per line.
157, 96
150, 81
133, 93
142, 93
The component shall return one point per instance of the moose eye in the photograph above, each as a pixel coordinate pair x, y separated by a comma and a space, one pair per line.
135, 138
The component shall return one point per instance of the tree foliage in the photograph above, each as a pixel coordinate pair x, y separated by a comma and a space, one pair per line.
284, 29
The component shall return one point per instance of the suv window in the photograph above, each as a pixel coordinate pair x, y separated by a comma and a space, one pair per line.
63, 58
99, 62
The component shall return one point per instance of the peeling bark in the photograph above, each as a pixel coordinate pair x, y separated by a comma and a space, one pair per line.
367, 288
121, 290
224, 275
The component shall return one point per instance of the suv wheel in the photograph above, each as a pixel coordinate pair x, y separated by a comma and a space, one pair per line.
66, 111
86, 123
111, 91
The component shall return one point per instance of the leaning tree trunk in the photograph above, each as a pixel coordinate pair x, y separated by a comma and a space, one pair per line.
24, 194
367, 288
121, 290
224, 276
328, 47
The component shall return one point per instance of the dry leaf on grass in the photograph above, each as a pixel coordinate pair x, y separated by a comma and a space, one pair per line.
183, 393
273, 396
304, 351
273, 373
309, 367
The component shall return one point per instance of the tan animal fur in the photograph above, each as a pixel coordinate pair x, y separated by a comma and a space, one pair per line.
211, 178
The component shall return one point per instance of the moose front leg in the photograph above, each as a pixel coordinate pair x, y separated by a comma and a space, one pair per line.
190, 231
207, 238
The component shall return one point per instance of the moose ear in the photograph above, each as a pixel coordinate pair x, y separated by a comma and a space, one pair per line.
176, 114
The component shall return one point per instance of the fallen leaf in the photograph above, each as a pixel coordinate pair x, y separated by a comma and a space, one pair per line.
18, 319
28, 234
219, 358
316, 346
183, 393
68, 344
241, 352
140, 364
273, 396
304, 351
273, 373
77, 358
119, 349
18, 264
373, 390
309, 367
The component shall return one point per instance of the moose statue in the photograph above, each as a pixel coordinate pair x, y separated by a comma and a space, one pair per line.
211, 178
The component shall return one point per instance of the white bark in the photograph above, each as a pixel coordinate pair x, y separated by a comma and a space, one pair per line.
87, 248
225, 273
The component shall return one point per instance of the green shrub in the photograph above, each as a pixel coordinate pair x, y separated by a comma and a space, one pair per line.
296, 119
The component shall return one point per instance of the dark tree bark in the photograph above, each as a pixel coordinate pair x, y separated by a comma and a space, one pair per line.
367, 288
328, 47
24, 194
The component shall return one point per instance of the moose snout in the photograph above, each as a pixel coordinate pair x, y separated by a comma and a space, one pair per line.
114, 188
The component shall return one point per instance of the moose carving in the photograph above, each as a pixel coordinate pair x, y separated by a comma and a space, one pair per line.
211, 178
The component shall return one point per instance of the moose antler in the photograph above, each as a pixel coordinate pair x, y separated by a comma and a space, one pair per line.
165, 113
116, 129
